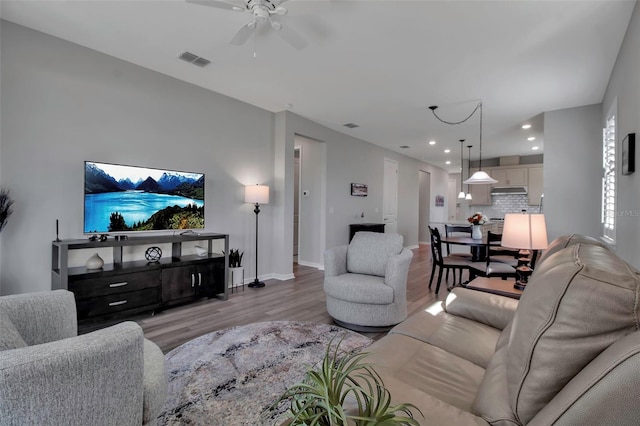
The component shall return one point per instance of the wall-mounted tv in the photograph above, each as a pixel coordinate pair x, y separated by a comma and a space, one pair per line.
121, 198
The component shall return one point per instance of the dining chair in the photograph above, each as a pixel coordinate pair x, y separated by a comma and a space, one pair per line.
453, 263
451, 230
491, 267
499, 253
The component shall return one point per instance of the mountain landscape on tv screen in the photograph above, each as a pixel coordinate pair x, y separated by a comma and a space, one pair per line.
174, 201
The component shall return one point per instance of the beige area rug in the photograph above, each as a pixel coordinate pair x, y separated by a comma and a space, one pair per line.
231, 377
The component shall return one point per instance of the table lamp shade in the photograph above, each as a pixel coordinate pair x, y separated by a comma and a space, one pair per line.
256, 194
524, 231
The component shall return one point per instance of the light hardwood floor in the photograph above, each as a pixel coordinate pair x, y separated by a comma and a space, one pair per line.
299, 299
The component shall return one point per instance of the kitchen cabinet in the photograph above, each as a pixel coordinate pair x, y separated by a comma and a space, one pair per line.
481, 194
535, 186
510, 177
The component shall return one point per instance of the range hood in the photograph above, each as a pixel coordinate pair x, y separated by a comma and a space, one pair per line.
509, 190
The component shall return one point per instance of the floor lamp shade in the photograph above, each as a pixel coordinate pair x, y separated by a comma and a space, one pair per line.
256, 194
524, 231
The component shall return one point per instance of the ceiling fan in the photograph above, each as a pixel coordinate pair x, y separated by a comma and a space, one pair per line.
262, 12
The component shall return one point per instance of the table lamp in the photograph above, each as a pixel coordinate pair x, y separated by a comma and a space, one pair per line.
525, 232
256, 194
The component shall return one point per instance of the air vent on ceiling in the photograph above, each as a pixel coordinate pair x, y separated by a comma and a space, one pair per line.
405, 146
351, 125
194, 59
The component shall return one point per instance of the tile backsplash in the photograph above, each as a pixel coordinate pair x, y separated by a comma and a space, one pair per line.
506, 203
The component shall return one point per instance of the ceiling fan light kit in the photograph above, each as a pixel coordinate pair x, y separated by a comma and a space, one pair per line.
261, 11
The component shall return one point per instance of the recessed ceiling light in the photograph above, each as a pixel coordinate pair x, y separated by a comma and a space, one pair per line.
526, 126
535, 148
446, 151
432, 142
531, 138
447, 162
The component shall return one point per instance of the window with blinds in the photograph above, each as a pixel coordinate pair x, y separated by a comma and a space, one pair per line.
609, 179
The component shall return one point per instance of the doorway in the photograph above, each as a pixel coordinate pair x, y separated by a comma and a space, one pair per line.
296, 202
309, 202
390, 196
424, 210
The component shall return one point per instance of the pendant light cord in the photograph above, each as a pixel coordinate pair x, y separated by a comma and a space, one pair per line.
479, 106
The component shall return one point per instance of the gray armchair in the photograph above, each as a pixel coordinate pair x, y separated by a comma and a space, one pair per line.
51, 376
365, 282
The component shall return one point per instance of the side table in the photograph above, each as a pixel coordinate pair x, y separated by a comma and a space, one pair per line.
495, 286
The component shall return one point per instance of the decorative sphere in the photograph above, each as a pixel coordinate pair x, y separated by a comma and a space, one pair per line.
153, 254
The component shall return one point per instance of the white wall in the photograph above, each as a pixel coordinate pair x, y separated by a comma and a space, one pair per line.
625, 86
63, 104
573, 171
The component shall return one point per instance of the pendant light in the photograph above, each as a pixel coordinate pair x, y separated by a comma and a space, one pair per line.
480, 177
469, 197
461, 195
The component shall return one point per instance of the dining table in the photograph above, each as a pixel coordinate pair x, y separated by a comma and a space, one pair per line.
478, 246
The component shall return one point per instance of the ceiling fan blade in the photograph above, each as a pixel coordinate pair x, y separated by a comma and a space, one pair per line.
292, 37
243, 34
220, 4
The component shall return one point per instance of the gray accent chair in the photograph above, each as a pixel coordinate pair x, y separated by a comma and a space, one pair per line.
365, 282
51, 376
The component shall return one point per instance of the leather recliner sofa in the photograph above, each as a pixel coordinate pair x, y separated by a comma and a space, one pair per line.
567, 353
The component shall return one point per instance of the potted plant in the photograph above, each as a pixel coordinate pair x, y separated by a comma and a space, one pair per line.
6, 204
236, 268
344, 391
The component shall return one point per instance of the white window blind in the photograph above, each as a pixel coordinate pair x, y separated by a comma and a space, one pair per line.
609, 178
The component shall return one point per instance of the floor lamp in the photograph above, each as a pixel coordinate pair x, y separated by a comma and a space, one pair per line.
256, 194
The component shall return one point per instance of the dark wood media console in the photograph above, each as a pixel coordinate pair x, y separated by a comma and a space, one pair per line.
127, 287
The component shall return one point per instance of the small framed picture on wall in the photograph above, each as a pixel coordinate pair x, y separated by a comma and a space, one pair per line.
359, 189
439, 200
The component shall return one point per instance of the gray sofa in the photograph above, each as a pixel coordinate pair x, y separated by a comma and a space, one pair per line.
567, 353
51, 376
365, 282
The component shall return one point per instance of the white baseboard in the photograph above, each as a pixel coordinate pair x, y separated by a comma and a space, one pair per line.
311, 264
282, 277
415, 246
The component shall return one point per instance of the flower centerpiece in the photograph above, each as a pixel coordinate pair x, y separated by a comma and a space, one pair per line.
476, 220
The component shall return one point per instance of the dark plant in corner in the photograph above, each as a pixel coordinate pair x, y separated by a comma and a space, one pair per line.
235, 258
344, 380
5, 207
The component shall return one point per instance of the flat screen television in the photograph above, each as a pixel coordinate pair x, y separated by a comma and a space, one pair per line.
121, 198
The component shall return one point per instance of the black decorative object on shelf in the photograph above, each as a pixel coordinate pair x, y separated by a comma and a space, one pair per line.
153, 254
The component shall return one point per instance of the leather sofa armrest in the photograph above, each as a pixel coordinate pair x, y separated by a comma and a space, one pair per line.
489, 309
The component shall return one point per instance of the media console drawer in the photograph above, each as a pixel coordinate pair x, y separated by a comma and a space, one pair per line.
84, 287
112, 303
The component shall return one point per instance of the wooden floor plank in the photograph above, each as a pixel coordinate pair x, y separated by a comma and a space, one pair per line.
299, 299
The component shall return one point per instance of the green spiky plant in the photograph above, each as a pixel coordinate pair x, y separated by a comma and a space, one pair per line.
6, 209
319, 400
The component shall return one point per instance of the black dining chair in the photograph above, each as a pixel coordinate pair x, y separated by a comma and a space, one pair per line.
452, 230
499, 253
453, 263
491, 267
